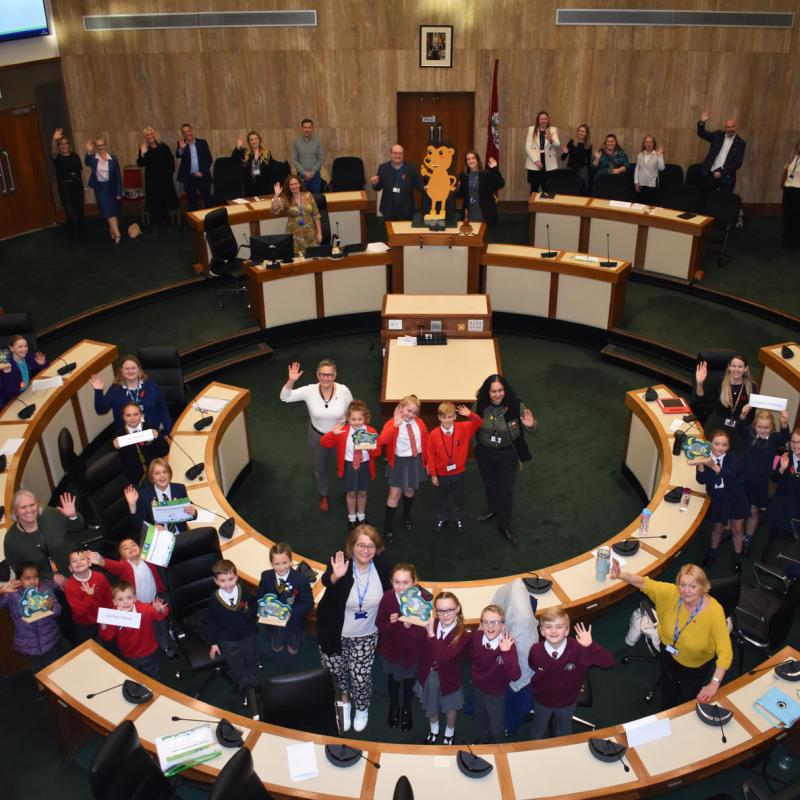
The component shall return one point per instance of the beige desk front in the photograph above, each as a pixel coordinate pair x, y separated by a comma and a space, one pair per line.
546, 770
434, 263
780, 377
572, 286
462, 316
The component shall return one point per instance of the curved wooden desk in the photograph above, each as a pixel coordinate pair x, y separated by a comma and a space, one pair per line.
552, 768
255, 218
652, 238
648, 455
780, 377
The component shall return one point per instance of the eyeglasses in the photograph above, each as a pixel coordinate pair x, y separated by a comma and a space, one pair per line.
364, 546
491, 623
442, 612
326, 374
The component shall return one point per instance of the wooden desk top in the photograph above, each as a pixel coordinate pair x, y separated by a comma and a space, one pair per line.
552, 768
435, 304
302, 266
788, 369
403, 234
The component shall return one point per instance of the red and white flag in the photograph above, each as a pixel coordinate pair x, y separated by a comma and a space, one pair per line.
493, 127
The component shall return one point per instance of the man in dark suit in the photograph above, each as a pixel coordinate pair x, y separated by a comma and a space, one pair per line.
725, 154
194, 170
397, 178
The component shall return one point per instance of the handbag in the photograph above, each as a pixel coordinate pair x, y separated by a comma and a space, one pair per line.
780, 710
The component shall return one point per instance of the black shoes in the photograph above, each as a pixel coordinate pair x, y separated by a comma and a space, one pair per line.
431, 738
440, 525
408, 523
747, 546
737, 567
447, 740
708, 560
406, 721
393, 719
509, 535
486, 516
351, 524
459, 526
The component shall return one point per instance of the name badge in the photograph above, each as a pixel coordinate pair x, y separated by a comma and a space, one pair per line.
360, 615
451, 467
396, 189
673, 651
730, 423
494, 439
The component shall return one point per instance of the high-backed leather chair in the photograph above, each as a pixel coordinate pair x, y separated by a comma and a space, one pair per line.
303, 700
238, 781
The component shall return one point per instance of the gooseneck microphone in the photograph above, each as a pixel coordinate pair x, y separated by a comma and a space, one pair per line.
197, 468
637, 538
27, 408
608, 262
550, 252
67, 368
94, 694
228, 526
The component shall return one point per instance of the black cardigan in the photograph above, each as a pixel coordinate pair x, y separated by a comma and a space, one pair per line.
489, 182
331, 609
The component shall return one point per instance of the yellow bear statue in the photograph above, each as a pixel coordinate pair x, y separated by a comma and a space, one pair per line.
440, 184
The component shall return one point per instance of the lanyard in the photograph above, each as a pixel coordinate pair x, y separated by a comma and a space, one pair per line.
452, 437
739, 398
679, 632
134, 394
361, 595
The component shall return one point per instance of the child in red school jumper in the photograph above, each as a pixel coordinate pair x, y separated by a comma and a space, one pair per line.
447, 460
439, 676
86, 592
399, 646
138, 646
559, 666
404, 440
350, 460
494, 663
143, 576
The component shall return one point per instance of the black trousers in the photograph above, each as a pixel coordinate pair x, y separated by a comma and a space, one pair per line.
242, 658
72, 202
791, 218
498, 468
680, 684
451, 497
198, 186
537, 179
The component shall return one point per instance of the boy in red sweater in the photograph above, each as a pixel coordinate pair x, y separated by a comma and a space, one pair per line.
86, 591
559, 667
138, 646
447, 460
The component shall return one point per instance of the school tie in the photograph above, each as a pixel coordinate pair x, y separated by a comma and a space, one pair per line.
412, 440
555, 655
718, 461
232, 601
358, 457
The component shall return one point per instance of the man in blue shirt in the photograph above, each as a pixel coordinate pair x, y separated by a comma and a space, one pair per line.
194, 170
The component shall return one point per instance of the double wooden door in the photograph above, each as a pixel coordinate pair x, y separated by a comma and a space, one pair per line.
26, 200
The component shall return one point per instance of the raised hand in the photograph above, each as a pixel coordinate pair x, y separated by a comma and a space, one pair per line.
97, 382
374, 180
58, 133
701, 373
784, 463
95, 558
214, 652
491, 163
143, 148
39, 358
397, 417
506, 642
338, 427
528, 420
705, 115
339, 565
548, 134
66, 505
463, 411
159, 605
131, 496
277, 188
660, 151
181, 143
784, 418
89, 146
294, 371
583, 635
239, 143
10, 586
615, 570
86, 588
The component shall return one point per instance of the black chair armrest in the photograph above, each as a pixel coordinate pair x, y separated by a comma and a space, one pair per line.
751, 792
779, 582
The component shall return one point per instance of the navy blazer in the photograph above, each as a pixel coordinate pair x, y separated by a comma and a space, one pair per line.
151, 400
148, 497
298, 590
735, 154
489, 181
114, 174
410, 179
204, 160
11, 382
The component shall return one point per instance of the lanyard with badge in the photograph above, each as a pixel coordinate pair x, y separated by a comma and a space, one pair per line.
361, 614
731, 422
670, 648
451, 435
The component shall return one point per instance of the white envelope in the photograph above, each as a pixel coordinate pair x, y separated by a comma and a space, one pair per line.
122, 619
768, 402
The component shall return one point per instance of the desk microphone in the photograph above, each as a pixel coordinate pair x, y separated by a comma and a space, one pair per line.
677, 445
3, 462
342, 755
27, 408
205, 421
550, 253
94, 694
227, 528
67, 368
608, 262
197, 468
637, 538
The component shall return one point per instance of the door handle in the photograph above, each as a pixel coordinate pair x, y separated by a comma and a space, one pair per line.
10, 172
440, 134
4, 189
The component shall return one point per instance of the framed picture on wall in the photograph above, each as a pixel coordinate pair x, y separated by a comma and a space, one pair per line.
436, 45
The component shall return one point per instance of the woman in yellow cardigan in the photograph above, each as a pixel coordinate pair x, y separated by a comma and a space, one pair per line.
693, 633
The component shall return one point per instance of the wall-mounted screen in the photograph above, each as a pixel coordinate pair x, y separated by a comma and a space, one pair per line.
22, 19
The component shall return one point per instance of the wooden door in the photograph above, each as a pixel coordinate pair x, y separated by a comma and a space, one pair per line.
26, 200
448, 117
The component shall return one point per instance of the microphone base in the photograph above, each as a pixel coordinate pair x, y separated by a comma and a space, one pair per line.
608, 263
195, 471
27, 412
203, 422
67, 368
548, 254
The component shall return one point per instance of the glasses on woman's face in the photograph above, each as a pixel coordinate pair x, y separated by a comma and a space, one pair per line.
491, 623
445, 612
326, 374
367, 547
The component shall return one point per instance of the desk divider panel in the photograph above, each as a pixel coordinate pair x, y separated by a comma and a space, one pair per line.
565, 231
518, 291
433, 269
621, 242
353, 291
233, 452
290, 300
668, 252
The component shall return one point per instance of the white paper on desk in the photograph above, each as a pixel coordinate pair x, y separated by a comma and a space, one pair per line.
647, 729
676, 423
240, 200
134, 438
406, 341
302, 761
208, 403
10, 446
40, 384
377, 247
614, 557
619, 204
638, 206
204, 516
768, 402
122, 619
590, 259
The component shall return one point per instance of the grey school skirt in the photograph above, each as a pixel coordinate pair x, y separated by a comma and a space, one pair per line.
430, 695
407, 472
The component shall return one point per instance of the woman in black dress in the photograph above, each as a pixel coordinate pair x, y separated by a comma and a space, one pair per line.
477, 187
69, 176
159, 167
577, 153
257, 164
501, 448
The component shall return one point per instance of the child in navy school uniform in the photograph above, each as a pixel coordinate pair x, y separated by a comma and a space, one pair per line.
231, 629
447, 460
723, 477
761, 443
439, 675
292, 588
136, 458
783, 511
399, 646
494, 663
351, 457
559, 666
404, 440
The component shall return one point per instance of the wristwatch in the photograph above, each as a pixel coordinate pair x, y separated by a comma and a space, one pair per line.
717, 680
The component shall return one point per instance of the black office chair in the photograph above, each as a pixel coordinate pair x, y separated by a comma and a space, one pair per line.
123, 770
163, 365
17, 324
653, 655
671, 175
225, 262
724, 207
564, 181
237, 780
771, 571
325, 220
190, 585
347, 174
106, 480
695, 176
228, 180
74, 469
791, 791
681, 197
717, 362
280, 171
612, 187
402, 789
303, 700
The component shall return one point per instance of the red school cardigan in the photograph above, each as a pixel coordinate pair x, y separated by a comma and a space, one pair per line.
388, 440
330, 439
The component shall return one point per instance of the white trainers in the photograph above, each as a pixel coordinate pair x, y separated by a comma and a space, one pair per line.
346, 710
360, 719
